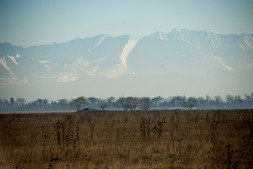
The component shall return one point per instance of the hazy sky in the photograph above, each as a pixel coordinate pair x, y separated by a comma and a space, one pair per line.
35, 22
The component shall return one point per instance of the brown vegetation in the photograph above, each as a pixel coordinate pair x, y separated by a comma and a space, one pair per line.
117, 140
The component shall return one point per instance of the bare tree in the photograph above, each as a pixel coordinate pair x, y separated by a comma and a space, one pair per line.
92, 101
20, 102
131, 103
111, 101
78, 102
103, 104
145, 103
190, 103
119, 103
63, 104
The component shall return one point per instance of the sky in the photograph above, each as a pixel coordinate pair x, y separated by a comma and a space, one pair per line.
36, 22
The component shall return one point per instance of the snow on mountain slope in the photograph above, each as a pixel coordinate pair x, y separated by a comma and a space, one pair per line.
13, 81
3, 62
67, 77
98, 43
43, 61
105, 60
183, 50
220, 62
112, 57
121, 69
248, 40
204, 38
127, 49
13, 58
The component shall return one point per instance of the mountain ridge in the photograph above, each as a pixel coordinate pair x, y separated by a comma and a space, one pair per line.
107, 35
115, 56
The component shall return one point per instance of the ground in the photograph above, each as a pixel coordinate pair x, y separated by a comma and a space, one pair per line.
167, 139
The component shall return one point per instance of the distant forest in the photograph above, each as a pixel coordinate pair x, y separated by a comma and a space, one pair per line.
130, 103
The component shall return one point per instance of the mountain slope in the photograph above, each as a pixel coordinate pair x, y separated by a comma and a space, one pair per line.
122, 63
96, 56
184, 50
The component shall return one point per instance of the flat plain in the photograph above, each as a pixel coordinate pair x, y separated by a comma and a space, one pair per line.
155, 139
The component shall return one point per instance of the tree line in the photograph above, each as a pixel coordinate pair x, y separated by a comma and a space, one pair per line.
130, 103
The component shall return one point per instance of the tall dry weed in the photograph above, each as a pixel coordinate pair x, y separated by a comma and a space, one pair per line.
154, 139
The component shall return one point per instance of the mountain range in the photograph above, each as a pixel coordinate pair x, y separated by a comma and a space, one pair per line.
180, 53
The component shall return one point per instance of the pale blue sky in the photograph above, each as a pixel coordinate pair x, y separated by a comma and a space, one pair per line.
36, 22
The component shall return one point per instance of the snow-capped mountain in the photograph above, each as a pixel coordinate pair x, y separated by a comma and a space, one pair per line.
158, 55
185, 50
97, 56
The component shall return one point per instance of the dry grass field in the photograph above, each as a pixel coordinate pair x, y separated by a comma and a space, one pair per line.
165, 139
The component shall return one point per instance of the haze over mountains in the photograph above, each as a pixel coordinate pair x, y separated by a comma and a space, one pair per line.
181, 61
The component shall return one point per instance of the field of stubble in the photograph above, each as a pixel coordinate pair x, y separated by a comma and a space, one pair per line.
166, 139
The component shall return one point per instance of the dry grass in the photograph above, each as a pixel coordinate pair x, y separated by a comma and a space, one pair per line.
121, 140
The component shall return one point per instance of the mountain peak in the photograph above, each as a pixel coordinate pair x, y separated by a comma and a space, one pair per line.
179, 31
161, 58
